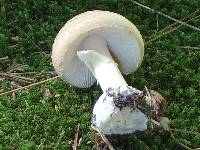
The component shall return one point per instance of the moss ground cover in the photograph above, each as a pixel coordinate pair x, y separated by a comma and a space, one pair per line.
46, 116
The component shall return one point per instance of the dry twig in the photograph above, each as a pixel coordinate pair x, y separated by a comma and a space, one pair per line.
166, 127
167, 32
166, 16
190, 47
15, 39
183, 145
157, 22
29, 86
182, 19
170, 27
103, 137
16, 67
185, 131
77, 141
16, 78
34, 73
4, 58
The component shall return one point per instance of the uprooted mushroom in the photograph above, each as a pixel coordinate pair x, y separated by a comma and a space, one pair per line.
99, 45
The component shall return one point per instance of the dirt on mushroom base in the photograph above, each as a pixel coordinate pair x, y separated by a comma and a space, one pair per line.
126, 110
151, 103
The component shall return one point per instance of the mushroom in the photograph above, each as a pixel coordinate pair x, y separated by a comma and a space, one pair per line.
99, 45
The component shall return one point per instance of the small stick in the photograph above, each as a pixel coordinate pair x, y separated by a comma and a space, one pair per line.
15, 39
4, 58
174, 24
167, 32
22, 73
182, 19
103, 137
29, 86
167, 128
14, 76
17, 80
185, 131
166, 16
76, 140
189, 47
183, 145
157, 22
79, 142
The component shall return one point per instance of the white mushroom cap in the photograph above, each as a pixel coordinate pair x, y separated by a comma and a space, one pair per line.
123, 39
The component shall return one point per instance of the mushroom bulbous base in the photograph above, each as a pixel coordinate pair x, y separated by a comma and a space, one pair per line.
111, 119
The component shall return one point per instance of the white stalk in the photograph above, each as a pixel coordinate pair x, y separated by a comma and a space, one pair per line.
98, 59
106, 115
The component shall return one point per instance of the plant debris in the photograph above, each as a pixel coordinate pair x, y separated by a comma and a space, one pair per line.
46, 92
77, 140
103, 137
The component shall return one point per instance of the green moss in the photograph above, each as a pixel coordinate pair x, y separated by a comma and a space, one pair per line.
32, 121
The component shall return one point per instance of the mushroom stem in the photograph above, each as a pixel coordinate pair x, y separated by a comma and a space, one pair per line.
95, 54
